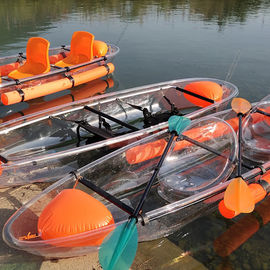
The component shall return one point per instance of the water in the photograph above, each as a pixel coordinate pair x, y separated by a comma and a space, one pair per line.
163, 40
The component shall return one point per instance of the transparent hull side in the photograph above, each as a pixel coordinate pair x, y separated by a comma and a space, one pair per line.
39, 144
256, 133
126, 180
13, 58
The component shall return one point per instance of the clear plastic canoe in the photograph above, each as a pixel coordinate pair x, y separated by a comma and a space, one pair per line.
43, 146
256, 132
10, 63
189, 176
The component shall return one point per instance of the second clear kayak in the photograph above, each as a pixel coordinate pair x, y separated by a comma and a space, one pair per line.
44, 145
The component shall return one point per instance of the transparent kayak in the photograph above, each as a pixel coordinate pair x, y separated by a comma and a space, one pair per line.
256, 132
189, 177
10, 63
44, 145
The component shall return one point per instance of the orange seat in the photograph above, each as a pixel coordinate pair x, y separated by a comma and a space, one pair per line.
81, 49
37, 59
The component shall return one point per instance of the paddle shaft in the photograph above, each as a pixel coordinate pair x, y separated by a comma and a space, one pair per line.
240, 115
156, 170
194, 94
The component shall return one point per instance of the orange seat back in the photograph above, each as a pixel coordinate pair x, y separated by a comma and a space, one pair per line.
37, 52
82, 45
81, 49
37, 59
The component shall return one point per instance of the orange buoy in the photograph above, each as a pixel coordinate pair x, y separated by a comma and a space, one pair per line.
74, 212
207, 89
259, 190
36, 91
100, 48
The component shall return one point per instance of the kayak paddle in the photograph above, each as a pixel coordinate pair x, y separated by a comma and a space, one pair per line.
237, 196
118, 250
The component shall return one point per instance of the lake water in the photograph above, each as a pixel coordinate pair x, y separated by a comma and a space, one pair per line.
164, 40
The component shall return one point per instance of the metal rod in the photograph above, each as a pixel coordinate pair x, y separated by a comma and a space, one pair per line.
194, 95
262, 112
212, 150
106, 195
111, 118
41, 76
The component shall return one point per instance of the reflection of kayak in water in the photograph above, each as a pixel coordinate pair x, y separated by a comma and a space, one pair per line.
44, 145
81, 92
42, 72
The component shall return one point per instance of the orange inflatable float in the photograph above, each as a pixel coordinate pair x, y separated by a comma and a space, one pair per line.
56, 86
84, 213
152, 150
207, 89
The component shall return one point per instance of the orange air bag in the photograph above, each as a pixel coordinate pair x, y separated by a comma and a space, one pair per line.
100, 48
207, 89
72, 212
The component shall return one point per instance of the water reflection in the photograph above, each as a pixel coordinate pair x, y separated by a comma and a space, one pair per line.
18, 17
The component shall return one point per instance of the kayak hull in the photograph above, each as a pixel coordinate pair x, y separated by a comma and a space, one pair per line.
117, 176
44, 145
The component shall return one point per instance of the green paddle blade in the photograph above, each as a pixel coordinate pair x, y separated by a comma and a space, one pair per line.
119, 248
178, 123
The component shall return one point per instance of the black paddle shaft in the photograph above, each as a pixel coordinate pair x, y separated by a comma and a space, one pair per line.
156, 170
240, 115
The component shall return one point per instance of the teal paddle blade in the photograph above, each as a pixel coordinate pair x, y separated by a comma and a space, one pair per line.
178, 123
119, 248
